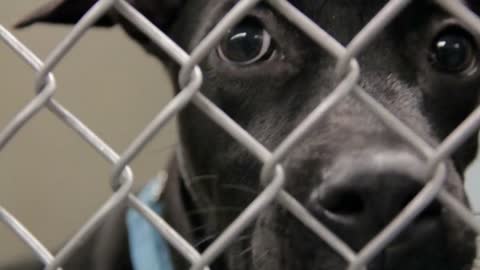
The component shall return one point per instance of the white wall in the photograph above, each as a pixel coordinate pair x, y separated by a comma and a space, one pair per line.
49, 178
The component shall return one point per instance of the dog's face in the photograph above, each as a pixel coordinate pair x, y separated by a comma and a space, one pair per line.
351, 172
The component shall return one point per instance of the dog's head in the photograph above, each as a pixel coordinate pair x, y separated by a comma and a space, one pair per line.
352, 172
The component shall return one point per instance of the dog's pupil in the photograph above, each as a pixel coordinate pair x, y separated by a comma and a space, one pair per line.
452, 52
244, 42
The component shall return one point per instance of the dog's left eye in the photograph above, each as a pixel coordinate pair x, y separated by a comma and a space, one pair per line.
247, 43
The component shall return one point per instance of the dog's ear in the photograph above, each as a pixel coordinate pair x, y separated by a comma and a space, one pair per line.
159, 12
63, 12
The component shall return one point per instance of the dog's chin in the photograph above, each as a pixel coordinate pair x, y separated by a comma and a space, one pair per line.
394, 258
430, 246
425, 248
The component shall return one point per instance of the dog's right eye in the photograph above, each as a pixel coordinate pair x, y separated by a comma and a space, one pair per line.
453, 51
247, 43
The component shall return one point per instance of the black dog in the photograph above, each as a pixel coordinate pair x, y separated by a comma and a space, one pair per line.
268, 76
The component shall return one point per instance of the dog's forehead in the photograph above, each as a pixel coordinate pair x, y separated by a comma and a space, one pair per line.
338, 17
315, 8
343, 19
359, 6
334, 13
319, 4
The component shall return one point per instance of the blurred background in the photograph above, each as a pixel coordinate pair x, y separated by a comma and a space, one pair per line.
50, 179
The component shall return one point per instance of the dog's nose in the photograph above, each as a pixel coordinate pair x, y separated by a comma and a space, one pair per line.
370, 189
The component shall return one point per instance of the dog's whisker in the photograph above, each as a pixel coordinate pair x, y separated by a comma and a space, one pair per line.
245, 251
215, 235
203, 177
240, 188
215, 210
205, 240
198, 228
242, 238
256, 260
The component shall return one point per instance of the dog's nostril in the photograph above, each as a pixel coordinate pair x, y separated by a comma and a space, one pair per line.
345, 203
370, 189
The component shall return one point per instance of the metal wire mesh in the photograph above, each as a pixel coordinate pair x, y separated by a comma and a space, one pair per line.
272, 175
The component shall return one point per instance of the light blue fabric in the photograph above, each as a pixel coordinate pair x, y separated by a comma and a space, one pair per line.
148, 249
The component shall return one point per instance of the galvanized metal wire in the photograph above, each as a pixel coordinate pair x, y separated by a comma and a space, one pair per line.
272, 175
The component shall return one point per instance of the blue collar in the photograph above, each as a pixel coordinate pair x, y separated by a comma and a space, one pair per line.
148, 249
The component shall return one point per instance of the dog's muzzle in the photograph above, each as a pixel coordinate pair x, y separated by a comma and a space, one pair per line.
363, 192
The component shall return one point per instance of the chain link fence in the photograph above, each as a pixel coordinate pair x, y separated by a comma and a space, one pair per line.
272, 175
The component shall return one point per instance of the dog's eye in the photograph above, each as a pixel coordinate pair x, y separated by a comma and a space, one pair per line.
247, 43
453, 51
